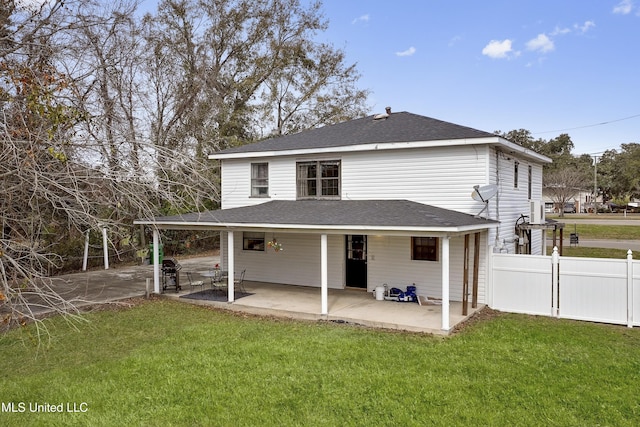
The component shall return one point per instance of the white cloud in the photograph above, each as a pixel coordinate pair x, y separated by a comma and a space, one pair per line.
498, 49
541, 43
363, 18
624, 7
407, 52
584, 27
560, 31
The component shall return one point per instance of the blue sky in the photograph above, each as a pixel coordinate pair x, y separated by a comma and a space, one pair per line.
549, 66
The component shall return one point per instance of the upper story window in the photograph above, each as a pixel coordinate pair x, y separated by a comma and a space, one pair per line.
515, 173
318, 179
259, 179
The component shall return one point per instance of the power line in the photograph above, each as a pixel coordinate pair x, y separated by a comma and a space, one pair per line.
587, 126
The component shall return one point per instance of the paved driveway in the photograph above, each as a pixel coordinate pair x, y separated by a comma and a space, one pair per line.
104, 286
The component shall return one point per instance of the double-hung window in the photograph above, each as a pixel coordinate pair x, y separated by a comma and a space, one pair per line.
318, 179
259, 179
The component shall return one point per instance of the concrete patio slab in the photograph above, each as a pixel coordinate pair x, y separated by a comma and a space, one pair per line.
298, 302
348, 305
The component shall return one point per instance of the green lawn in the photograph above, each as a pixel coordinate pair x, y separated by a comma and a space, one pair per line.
598, 231
167, 363
586, 252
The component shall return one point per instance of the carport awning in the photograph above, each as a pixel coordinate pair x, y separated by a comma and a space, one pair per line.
330, 216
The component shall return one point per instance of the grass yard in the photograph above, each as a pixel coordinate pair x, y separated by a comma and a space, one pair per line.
600, 231
586, 252
168, 363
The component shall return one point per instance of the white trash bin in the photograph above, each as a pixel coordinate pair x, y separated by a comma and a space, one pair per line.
379, 293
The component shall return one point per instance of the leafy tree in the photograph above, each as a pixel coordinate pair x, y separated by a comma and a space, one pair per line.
618, 171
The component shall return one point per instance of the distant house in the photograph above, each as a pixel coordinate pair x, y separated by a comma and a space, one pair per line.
379, 200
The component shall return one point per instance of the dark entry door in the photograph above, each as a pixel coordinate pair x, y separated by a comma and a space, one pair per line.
356, 265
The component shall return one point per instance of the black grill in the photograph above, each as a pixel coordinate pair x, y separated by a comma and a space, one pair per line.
170, 274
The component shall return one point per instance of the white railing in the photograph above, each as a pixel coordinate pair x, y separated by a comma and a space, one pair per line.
593, 289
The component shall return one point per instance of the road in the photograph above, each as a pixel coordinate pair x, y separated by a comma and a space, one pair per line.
569, 221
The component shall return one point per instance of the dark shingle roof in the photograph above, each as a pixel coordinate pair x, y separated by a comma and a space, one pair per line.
398, 127
339, 213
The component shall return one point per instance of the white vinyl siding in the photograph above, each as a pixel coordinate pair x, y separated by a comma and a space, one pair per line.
388, 261
513, 201
298, 263
441, 176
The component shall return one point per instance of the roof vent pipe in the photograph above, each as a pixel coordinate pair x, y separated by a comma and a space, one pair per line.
388, 111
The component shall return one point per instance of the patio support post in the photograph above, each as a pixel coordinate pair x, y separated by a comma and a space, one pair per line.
476, 265
465, 278
323, 275
445, 283
156, 261
105, 248
231, 266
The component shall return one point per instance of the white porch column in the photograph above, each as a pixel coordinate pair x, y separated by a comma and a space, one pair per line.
156, 261
445, 283
323, 275
231, 266
85, 257
105, 248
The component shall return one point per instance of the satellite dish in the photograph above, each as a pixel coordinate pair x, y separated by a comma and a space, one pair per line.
483, 194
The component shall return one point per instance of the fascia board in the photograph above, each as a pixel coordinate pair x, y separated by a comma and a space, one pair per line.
378, 146
305, 228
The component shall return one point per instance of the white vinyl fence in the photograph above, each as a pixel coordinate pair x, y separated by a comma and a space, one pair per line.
593, 289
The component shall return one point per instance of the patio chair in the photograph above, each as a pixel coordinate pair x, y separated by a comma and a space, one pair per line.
194, 283
239, 283
219, 280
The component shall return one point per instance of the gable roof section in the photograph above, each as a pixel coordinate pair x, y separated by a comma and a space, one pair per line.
330, 215
398, 130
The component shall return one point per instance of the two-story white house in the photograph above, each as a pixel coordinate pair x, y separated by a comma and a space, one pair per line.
379, 200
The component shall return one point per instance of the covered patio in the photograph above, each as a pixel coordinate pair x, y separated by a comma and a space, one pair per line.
316, 285
344, 306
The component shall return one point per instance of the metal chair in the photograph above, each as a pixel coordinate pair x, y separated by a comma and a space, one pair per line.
239, 283
195, 283
218, 280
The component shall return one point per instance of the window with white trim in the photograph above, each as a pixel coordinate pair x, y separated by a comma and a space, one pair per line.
424, 248
318, 179
259, 179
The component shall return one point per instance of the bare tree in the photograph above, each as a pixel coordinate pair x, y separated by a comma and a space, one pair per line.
64, 166
106, 117
561, 185
231, 71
